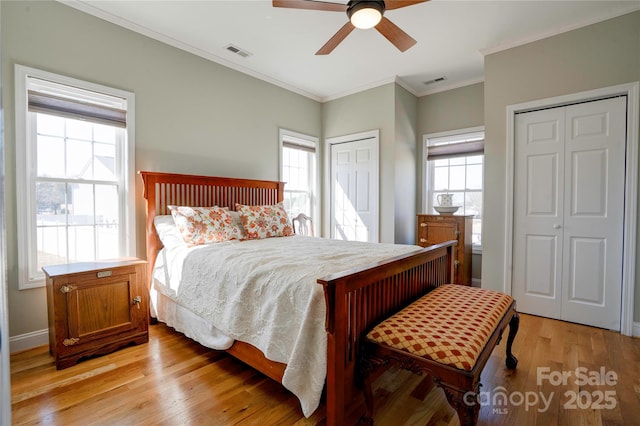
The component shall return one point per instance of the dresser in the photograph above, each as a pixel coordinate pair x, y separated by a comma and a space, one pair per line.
95, 308
434, 229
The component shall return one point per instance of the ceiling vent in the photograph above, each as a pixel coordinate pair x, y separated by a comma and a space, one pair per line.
435, 80
235, 49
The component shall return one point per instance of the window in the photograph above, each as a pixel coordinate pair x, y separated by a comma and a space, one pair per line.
75, 168
299, 171
454, 164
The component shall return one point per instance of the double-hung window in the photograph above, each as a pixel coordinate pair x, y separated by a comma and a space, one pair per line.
75, 175
298, 159
454, 164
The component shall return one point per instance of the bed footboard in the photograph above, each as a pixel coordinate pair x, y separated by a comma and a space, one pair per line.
358, 299
355, 299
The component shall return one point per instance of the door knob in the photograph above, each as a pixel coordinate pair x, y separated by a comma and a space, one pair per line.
137, 300
556, 226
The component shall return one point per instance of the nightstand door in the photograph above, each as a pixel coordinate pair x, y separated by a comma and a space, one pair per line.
100, 307
438, 231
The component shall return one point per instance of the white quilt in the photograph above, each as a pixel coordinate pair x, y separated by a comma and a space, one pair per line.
264, 292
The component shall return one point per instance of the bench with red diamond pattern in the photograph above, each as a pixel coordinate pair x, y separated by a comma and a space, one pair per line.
449, 333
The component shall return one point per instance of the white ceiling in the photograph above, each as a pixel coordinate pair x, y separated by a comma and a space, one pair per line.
452, 35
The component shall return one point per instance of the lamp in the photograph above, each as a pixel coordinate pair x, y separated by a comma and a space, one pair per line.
365, 14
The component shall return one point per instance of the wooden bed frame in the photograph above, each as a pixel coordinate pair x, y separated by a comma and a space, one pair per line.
356, 299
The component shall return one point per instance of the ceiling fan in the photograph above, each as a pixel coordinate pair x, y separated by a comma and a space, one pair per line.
362, 14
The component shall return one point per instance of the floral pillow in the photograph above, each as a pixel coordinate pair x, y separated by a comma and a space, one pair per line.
205, 225
265, 221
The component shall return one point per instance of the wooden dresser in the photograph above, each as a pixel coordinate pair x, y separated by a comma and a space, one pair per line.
434, 229
95, 308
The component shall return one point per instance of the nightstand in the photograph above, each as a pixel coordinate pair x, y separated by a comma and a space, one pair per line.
96, 307
436, 229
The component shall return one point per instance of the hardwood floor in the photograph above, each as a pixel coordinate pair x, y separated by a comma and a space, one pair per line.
174, 381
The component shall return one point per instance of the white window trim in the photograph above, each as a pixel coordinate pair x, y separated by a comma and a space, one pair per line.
476, 249
25, 175
310, 141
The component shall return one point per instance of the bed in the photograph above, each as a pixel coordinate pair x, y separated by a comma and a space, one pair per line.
349, 299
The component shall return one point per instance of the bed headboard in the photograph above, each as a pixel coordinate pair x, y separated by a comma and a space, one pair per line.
164, 189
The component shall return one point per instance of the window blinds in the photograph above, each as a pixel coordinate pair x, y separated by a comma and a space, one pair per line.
73, 108
299, 145
461, 149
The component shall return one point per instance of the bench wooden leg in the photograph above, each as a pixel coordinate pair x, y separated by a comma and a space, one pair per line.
463, 401
367, 364
514, 324
460, 386
367, 419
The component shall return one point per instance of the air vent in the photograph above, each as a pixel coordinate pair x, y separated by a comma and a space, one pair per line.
435, 80
240, 52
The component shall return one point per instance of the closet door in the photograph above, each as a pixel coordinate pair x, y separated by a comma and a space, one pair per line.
538, 212
568, 212
594, 212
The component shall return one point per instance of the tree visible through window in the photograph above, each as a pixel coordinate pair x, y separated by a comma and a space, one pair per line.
454, 165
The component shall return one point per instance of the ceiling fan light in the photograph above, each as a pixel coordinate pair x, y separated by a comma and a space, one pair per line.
365, 14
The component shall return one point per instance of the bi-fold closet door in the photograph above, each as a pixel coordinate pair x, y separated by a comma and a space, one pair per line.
569, 177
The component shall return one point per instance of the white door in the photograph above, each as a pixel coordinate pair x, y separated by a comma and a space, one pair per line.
568, 212
354, 190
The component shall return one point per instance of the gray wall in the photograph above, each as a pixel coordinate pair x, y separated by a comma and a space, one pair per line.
368, 110
192, 115
406, 115
196, 116
600, 55
5, 379
450, 110
392, 110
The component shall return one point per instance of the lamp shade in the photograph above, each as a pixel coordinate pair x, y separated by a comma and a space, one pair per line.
365, 14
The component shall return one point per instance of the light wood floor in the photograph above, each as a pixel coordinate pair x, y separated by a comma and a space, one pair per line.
174, 381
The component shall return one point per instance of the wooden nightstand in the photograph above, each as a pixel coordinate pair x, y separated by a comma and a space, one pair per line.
96, 307
435, 229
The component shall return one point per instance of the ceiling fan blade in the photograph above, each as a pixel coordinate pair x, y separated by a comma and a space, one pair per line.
395, 35
336, 39
397, 4
310, 5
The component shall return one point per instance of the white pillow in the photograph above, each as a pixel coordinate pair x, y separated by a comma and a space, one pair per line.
238, 221
168, 231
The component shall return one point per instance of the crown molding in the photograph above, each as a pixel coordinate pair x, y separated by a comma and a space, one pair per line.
359, 89
86, 7
117, 20
400, 82
451, 86
510, 45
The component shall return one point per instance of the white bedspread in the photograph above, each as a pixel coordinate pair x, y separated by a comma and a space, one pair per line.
264, 292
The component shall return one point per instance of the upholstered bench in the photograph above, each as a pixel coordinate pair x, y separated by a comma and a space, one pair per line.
449, 333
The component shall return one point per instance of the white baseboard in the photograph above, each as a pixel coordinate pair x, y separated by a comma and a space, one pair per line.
29, 340
476, 282
41, 337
